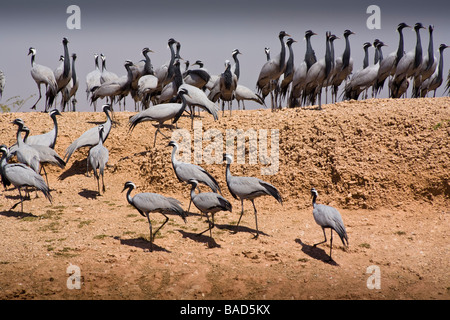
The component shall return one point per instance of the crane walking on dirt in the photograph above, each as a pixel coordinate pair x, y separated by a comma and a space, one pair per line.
248, 188
153, 202
328, 217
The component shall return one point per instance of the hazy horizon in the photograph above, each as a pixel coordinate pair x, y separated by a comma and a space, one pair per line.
207, 30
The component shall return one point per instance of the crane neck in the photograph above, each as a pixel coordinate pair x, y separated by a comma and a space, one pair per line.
74, 74
366, 57
172, 59
33, 58
55, 128
174, 151
430, 51
441, 64
314, 200
104, 65
237, 70
346, 54
418, 55
66, 61
310, 57
194, 185
129, 199
282, 54
108, 124
96, 63
290, 62
177, 76
20, 141
400, 49
327, 57
148, 68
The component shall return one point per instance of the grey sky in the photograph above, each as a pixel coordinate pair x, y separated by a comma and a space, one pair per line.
208, 30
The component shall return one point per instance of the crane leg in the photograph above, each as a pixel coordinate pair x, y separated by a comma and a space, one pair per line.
151, 234
256, 221
40, 96
242, 212
103, 183
167, 219
331, 243
210, 226
323, 229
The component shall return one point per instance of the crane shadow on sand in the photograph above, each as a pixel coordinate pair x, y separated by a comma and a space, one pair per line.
17, 214
141, 243
316, 253
210, 242
78, 167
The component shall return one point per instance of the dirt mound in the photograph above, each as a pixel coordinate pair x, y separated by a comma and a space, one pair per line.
383, 163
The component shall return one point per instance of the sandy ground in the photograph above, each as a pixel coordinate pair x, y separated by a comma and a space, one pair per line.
384, 164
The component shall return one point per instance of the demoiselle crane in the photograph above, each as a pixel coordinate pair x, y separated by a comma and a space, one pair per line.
248, 188
328, 217
145, 203
208, 202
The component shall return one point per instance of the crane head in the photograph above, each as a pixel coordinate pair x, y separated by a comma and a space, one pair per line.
4, 149
290, 41
194, 182
283, 34
402, 25
172, 144
32, 51
235, 52
348, 32
18, 122
314, 192
227, 158
147, 50
442, 47
65, 41
418, 26
55, 112
129, 185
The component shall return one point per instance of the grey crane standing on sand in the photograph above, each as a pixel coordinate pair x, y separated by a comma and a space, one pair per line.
317, 75
98, 158
288, 75
42, 75
44, 154
427, 68
435, 81
63, 74
20, 175
114, 88
160, 113
328, 217
208, 202
310, 55
272, 70
227, 84
248, 188
389, 65
93, 79
343, 67
153, 202
46, 139
197, 98
90, 137
25, 154
408, 66
187, 171
301, 71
